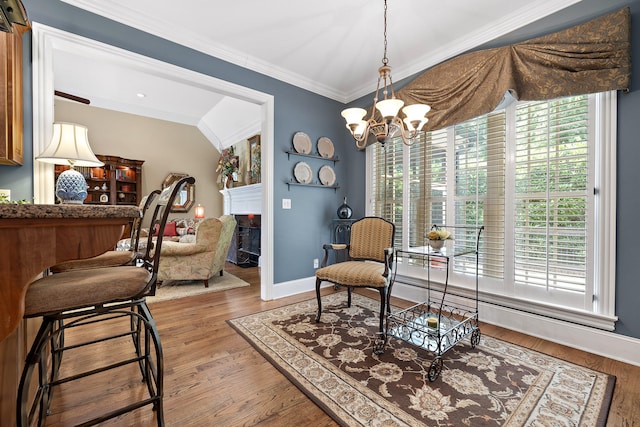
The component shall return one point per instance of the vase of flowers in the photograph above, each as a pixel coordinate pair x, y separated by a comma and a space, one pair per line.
228, 167
437, 238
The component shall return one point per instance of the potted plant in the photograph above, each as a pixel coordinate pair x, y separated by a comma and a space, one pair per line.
228, 167
437, 236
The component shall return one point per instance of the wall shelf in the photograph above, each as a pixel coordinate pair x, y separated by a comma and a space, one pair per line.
333, 159
314, 184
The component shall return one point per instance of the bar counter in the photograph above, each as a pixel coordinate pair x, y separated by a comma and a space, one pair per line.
35, 237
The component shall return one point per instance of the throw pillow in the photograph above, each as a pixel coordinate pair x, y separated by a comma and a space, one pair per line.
169, 229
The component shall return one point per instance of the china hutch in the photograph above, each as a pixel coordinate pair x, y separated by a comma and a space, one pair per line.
118, 182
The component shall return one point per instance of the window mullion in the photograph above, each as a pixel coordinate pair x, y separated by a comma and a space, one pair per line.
451, 177
406, 192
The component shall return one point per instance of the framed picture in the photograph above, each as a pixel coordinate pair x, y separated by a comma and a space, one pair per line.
255, 161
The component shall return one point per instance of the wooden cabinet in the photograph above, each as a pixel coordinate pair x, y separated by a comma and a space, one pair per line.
11, 96
118, 182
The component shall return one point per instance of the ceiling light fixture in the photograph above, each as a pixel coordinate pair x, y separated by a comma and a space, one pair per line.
389, 108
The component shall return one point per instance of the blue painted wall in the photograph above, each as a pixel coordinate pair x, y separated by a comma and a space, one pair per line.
301, 231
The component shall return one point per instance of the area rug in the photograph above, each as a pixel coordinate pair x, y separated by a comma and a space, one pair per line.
494, 384
174, 289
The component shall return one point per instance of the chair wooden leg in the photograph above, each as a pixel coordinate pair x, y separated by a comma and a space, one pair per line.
206, 283
318, 282
349, 289
383, 304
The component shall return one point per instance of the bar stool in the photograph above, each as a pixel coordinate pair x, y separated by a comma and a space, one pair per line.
114, 258
82, 297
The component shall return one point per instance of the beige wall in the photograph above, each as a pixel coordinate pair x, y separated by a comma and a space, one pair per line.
164, 146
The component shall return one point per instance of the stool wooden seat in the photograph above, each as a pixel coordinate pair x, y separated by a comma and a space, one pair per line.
82, 297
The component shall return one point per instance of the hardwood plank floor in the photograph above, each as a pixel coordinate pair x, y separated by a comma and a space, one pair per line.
214, 377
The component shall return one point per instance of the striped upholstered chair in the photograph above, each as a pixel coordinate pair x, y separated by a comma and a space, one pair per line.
369, 264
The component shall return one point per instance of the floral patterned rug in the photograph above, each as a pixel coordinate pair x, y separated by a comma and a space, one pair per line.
493, 384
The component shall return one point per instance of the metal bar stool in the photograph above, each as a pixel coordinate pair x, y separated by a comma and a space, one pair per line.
82, 297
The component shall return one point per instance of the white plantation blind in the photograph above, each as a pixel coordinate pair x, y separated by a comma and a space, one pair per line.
428, 185
388, 171
551, 194
479, 158
527, 174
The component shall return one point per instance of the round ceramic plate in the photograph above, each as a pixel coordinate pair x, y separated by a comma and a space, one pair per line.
302, 143
327, 175
303, 173
325, 147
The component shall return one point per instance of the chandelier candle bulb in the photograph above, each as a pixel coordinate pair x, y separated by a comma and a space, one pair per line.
389, 108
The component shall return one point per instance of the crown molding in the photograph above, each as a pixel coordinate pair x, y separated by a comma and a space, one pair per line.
524, 16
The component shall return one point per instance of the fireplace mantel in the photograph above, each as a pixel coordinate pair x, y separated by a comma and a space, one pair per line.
243, 200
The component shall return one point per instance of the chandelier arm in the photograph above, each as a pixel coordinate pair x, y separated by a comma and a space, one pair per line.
407, 136
361, 142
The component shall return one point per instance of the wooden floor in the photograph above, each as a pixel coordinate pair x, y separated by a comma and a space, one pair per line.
213, 377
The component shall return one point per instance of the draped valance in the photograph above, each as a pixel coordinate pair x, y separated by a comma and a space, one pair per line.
588, 58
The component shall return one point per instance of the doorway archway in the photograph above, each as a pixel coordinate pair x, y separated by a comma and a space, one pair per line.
47, 41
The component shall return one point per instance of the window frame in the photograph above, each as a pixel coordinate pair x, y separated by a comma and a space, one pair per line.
602, 315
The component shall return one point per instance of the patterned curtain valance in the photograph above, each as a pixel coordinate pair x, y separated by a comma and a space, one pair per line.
588, 58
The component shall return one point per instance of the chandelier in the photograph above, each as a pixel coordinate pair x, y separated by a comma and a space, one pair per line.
391, 125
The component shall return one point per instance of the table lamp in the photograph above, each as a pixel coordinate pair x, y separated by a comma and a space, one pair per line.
199, 212
70, 146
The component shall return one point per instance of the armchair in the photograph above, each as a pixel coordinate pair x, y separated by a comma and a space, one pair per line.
201, 259
370, 263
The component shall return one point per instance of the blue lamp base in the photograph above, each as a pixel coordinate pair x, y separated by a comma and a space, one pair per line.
71, 187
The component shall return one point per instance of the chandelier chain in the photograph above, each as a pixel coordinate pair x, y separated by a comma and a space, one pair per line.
385, 60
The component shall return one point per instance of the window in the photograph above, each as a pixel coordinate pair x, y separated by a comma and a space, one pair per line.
532, 174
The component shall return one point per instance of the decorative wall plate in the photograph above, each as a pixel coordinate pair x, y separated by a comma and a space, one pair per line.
302, 143
327, 175
325, 147
303, 173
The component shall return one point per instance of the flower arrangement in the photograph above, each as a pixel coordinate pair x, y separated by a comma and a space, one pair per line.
228, 162
439, 234
255, 162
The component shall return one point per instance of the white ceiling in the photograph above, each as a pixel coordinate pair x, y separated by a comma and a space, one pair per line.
330, 47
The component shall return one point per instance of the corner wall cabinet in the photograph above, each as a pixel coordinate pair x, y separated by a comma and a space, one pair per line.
440, 322
118, 182
11, 120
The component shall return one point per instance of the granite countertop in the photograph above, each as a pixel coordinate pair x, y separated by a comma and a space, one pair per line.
11, 210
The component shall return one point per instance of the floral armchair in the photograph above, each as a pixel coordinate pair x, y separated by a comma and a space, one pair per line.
201, 259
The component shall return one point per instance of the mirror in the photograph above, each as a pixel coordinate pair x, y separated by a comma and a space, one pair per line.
186, 197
